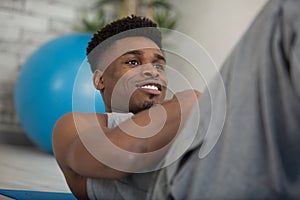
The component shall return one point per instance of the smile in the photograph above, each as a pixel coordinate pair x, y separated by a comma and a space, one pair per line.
151, 88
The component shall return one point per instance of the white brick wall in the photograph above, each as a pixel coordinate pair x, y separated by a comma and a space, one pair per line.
38, 7
20, 20
24, 26
12, 4
8, 33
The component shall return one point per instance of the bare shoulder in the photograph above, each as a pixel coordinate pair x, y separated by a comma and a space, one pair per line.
71, 124
80, 121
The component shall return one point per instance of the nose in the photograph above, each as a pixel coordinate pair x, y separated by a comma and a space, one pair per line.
149, 71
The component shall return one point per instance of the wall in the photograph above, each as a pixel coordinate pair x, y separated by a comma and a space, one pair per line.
26, 24
215, 24
209, 27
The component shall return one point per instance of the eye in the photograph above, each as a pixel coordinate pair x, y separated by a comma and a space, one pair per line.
158, 66
132, 62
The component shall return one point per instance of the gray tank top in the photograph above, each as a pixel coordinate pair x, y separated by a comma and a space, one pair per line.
134, 186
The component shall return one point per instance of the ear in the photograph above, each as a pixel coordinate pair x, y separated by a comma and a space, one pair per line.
98, 80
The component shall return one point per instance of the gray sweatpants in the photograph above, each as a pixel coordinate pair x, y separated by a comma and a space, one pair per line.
258, 153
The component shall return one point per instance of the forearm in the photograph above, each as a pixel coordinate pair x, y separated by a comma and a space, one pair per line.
149, 139
156, 127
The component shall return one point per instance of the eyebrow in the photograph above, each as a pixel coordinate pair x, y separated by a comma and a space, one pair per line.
134, 52
160, 57
139, 52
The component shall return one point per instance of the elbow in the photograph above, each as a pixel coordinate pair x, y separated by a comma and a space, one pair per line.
85, 164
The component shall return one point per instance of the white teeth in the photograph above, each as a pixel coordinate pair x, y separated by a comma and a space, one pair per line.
152, 87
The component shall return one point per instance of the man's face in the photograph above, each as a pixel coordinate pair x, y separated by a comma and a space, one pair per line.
135, 78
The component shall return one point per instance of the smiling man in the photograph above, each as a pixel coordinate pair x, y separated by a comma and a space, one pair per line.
106, 156
139, 74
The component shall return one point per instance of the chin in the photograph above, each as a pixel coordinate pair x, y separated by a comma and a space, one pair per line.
142, 102
142, 106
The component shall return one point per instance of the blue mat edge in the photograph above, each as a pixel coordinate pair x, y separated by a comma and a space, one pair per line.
36, 195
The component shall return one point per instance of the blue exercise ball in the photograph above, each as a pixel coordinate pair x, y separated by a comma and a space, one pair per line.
44, 89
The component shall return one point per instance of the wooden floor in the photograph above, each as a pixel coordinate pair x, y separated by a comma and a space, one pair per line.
23, 166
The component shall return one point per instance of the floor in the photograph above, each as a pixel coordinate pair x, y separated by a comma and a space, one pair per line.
25, 167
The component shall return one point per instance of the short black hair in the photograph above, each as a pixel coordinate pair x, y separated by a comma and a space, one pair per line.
125, 27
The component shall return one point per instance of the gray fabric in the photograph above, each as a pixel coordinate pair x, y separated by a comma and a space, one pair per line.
134, 186
114, 119
258, 153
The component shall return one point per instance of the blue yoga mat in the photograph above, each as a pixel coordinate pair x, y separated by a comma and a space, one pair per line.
36, 195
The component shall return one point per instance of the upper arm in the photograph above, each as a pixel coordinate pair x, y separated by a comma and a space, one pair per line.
63, 134
70, 151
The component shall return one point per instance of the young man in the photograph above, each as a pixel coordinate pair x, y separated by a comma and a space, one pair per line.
99, 153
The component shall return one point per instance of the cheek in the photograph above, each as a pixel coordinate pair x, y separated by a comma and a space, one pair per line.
114, 81
163, 76
122, 91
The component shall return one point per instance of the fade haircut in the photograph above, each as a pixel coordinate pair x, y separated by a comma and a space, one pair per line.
126, 27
